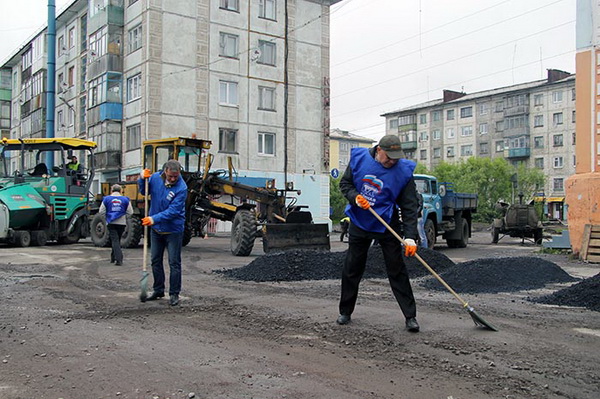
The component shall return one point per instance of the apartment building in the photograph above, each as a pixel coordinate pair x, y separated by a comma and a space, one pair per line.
531, 123
251, 76
341, 142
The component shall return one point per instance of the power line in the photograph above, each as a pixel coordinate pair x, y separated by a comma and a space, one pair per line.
450, 61
444, 41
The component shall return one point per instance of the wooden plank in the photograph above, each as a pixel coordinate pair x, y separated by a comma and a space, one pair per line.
586, 241
593, 258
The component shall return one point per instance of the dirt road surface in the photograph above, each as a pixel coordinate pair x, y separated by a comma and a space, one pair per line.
72, 326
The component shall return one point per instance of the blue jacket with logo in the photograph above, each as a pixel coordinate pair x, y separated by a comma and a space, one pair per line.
167, 205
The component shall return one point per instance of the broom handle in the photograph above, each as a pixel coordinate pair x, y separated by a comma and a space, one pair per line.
464, 303
145, 254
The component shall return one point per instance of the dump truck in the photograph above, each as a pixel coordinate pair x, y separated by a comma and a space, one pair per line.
255, 212
517, 220
40, 202
445, 212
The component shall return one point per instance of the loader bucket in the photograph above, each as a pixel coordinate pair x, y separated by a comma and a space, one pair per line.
287, 236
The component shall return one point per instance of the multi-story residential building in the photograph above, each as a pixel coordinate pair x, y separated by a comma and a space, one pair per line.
251, 76
530, 123
341, 142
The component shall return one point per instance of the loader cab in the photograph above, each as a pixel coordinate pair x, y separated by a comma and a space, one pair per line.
190, 152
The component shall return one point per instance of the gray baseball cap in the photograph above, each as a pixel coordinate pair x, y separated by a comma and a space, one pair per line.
391, 145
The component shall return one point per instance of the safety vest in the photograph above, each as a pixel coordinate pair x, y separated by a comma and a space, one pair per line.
116, 206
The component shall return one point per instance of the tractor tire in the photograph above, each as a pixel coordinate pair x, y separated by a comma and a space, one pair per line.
39, 238
133, 233
430, 233
73, 237
21, 238
188, 232
243, 233
495, 234
99, 232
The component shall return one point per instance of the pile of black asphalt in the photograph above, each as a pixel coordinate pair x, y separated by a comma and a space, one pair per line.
298, 265
493, 275
585, 293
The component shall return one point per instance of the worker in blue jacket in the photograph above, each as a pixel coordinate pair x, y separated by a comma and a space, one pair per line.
380, 179
116, 207
166, 219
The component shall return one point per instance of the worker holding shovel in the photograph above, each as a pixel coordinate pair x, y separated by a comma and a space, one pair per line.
380, 179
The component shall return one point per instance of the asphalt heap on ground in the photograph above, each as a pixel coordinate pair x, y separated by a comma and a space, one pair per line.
486, 275
586, 294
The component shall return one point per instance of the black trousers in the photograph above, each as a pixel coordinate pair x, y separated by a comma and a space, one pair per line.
354, 267
115, 232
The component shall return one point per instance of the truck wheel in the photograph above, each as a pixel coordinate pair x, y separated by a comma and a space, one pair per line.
243, 233
133, 233
72, 237
21, 238
430, 233
39, 238
99, 232
495, 234
187, 234
464, 236
538, 236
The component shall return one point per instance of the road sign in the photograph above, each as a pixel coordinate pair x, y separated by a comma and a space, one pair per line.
335, 173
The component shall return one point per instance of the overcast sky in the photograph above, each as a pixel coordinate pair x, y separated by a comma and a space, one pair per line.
389, 54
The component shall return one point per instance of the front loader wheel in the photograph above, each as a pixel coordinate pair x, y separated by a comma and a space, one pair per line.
99, 232
243, 233
133, 233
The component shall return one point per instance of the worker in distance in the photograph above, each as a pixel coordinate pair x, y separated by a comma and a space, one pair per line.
380, 178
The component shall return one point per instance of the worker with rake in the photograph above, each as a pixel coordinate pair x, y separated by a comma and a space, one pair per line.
379, 178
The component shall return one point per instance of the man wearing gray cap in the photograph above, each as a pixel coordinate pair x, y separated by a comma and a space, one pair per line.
380, 178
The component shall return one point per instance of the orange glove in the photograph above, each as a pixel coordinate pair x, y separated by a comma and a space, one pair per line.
362, 202
410, 248
146, 173
147, 221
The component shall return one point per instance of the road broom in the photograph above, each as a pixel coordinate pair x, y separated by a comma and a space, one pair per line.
478, 320
144, 280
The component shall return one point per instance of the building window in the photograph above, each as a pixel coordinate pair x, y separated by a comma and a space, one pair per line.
450, 133
98, 41
466, 150
437, 152
135, 38
344, 146
266, 144
557, 118
499, 106
61, 46
134, 137
557, 96
423, 154
499, 145
134, 87
539, 163
558, 184
484, 148
558, 162
72, 37
423, 136
227, 140
499, 126
450, 152
483, 109
393, 123
538, 142
483, 128
515, 122
466, 112
71, 76
466, 131
538, 121
538, 99
267, 52
573, 94
267, 9
557, 140
573, 138
423, 119
61, 79
60, 120
230, 5
450, 115
407, 120
573, 116
228, 93
266, 98
436, 116
436, 134
228, 45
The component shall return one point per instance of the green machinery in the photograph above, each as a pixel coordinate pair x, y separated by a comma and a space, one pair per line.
38, 203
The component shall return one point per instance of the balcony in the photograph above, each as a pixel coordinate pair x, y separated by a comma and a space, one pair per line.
409, 145
516, 110
107, 160
406, 128
516, 153
104, 64
110, 14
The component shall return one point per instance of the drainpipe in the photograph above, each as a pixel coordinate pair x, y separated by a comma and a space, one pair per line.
285, 98
50, 77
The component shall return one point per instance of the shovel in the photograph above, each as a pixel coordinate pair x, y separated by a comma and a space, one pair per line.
144, 280
478, 320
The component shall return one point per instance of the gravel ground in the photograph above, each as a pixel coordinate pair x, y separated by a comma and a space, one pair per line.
586, 294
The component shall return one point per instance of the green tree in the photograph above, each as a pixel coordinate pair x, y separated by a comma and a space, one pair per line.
337, 201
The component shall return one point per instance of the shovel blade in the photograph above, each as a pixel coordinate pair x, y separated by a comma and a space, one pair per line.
144, 286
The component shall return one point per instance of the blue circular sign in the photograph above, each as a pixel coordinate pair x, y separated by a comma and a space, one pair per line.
335, 173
